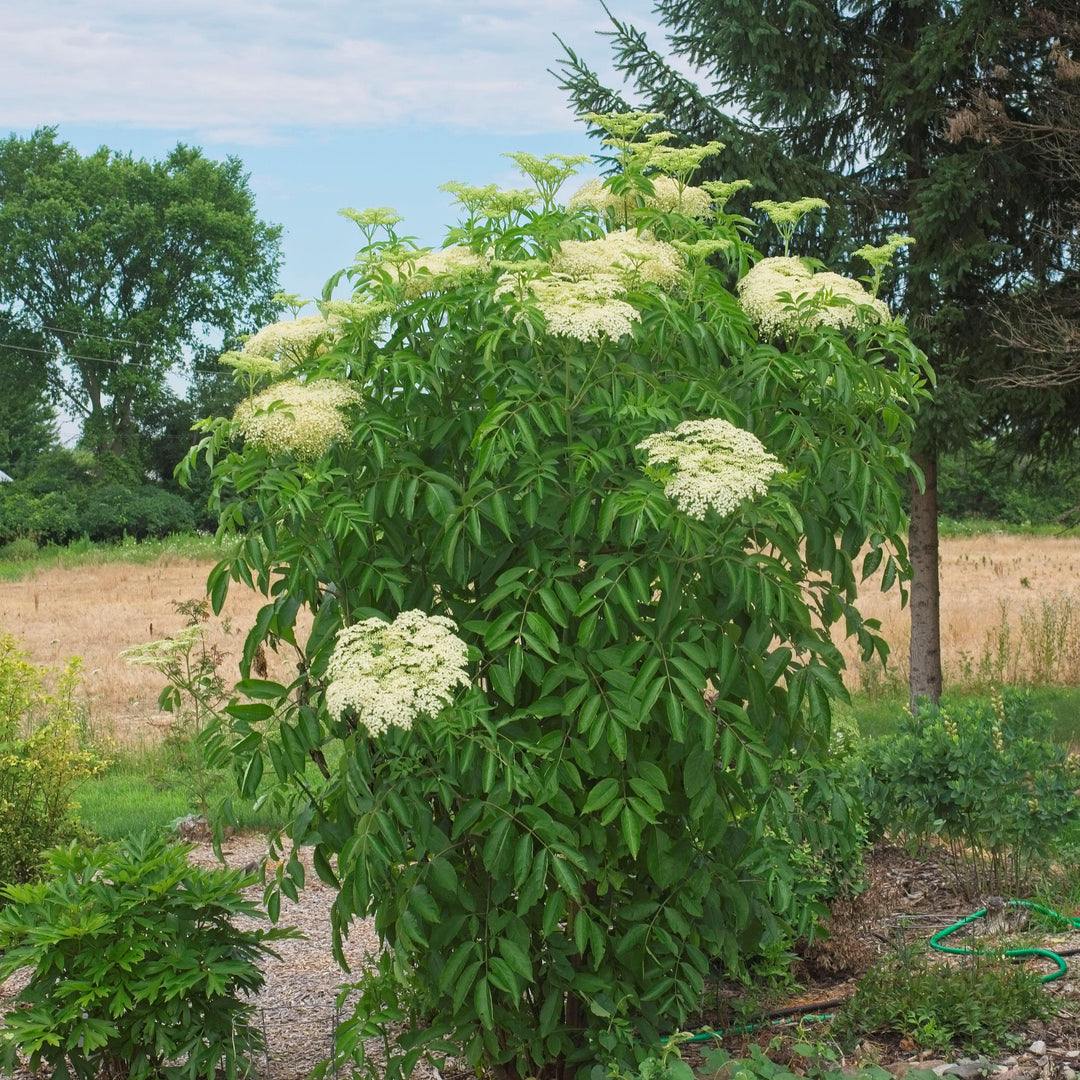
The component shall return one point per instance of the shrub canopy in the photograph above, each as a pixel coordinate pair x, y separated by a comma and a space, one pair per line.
629, 788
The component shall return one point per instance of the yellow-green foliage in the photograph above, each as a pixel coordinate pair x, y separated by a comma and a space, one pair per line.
42, 760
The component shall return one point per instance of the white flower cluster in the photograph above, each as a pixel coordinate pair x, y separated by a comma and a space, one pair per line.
437, 271
692, 201
292, 341
388, 674
584, 310
709, 463
635, 257
760, 290
302, 419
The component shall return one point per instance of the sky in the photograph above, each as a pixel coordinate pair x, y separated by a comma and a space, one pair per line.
329, 103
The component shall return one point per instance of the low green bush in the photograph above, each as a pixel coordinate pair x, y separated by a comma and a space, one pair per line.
138, 968
51, 517
983, 776
42, 761
115, 511
977, 1006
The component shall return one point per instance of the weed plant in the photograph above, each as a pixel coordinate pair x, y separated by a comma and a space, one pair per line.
718, 1064
43, 760
978, 1005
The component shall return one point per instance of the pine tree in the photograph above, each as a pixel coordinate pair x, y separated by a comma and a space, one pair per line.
859, 103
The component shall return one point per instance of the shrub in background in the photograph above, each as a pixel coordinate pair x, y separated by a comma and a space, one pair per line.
570, 442
42, 760
984, 777
138, 968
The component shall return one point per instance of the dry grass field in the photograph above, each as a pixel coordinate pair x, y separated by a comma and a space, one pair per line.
1010, 610
95, 612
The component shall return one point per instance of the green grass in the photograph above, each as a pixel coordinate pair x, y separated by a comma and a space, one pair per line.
145, 791
880, 715
953, 527
86, 553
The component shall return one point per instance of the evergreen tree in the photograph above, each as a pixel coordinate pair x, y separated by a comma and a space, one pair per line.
858, 102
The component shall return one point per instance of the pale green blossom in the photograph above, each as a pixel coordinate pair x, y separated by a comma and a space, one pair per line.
813, 298
385, 216
509, 201
702, 249
423, 273
707, 464
787, 215
356, 311
302, 419
388, 674
252, 369
472, 197
682, 161
622, 124
548, 173
163, 654
880, 257
371, 220
723, 190
637, 257
667, 195
292, 342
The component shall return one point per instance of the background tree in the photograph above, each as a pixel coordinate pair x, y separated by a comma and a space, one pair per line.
1037, 115
854, 102
27, 419
124, 266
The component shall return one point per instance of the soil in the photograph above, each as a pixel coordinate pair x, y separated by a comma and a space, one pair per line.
907, 899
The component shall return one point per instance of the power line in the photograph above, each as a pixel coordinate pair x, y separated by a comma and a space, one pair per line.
89, 337
102, 360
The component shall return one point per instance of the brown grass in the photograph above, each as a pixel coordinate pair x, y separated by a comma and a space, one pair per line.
996, 592
97, 611
1005, 601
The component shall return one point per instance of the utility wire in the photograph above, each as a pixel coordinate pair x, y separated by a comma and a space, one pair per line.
103, 360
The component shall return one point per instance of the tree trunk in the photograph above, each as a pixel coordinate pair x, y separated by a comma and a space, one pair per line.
925, 585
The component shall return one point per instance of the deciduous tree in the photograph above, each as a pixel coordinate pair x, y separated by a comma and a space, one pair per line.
123, 266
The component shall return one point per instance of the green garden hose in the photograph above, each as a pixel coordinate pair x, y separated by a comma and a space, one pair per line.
1047, 954
784, 1016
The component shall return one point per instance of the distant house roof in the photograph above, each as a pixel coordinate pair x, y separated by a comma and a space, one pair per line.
4, 478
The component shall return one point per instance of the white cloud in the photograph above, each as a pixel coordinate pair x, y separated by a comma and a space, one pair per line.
248, 69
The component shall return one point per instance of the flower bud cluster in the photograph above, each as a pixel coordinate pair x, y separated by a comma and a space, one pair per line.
668, 195
635, 257
709, 464
387, 674
292, 341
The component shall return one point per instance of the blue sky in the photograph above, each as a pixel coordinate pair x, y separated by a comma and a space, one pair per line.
330, 103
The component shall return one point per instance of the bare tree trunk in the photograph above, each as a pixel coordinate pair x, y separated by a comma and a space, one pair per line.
925, 585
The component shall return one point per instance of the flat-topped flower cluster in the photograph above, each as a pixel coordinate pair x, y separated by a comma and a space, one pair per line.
387, 674
709, 464
301, 419
821, 299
